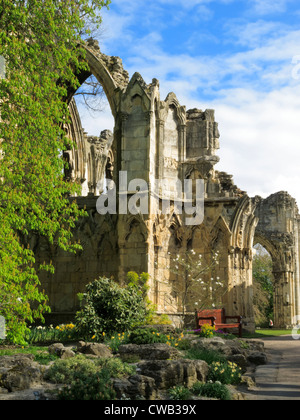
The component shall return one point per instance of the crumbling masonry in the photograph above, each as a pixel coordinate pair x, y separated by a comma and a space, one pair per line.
156, 139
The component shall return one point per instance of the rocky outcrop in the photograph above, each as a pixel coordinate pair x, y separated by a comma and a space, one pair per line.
245, 353
159, 367
136, 387
169, 373
19, 372
94, 349
148, 352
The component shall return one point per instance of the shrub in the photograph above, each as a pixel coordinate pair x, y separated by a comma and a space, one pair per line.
87, 379
179, 393
227, 373
147, 336
209, 356
109, 307
116, 340
116, 368
154, 319
94, 387
207, 331
64, 371
211, 390
184, 344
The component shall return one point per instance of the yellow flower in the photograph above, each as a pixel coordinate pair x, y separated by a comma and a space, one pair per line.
103, 334
93, 338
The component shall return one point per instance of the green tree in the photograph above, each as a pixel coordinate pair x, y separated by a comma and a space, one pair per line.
263, 289
108, 307
41, 43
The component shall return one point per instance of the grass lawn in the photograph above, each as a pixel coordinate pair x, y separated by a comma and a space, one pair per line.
40, 354
268, 333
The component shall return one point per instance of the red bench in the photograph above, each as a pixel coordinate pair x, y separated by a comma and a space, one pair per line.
218, 319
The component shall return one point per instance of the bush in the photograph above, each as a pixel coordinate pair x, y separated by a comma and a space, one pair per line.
63, 371
116, 368
227, 373
179, 393
207, 331
94, 387
115, 341
211, 390
109, 307
184, 344
147, 336
87, 379
209, 356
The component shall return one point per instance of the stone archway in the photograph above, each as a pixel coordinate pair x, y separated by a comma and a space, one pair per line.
274, 251
277, 231
89, 156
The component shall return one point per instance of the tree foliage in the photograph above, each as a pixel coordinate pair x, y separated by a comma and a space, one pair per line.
263, 289
41, 43
109, 307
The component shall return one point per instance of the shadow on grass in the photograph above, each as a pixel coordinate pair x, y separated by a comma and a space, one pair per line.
268, 333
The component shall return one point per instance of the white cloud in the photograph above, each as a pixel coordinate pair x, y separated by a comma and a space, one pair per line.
260, 141
256, 99
265, 7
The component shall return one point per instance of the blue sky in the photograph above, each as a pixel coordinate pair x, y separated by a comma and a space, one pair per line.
239, 57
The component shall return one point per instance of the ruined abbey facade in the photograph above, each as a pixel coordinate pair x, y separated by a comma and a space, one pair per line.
160, 139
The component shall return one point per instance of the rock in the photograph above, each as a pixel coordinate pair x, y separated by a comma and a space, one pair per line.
258, 358
201, 370
248, 381
59, 350
169, 373
215, 344
149, 352
67, 353
240, 360
94, 349
135, 387
56, 349
19, 372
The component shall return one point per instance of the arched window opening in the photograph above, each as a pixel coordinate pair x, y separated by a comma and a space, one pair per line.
91, 131
263, 287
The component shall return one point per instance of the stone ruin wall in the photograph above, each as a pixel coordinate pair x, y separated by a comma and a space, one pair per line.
160, 139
